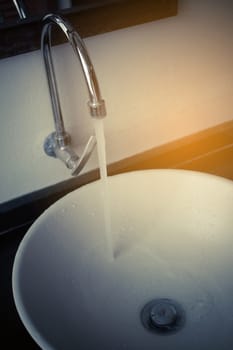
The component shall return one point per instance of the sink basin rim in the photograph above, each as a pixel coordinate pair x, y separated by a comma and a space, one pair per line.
20, 307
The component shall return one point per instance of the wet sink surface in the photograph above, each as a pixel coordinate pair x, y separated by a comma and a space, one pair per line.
75, 287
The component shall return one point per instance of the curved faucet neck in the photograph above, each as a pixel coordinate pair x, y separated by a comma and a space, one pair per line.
96, 103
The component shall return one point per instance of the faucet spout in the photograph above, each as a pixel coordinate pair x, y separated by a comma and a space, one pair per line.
58, 144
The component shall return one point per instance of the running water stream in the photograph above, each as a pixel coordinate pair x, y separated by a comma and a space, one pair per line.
101, 151
101, 148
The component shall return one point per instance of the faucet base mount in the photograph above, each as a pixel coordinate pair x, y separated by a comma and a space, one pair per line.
49, 145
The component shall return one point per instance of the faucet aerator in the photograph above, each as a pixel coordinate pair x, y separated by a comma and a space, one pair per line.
98, 109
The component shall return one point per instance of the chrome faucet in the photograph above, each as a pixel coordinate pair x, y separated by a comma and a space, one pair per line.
20, 8
58, 143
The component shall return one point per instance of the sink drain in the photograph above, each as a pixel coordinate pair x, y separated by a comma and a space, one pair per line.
163, 316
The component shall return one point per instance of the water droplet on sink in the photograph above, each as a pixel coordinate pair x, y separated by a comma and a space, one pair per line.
202, 307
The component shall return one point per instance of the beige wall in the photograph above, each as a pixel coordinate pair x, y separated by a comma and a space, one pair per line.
161, 81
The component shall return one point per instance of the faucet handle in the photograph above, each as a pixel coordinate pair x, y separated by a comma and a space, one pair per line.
77, 165
63, 151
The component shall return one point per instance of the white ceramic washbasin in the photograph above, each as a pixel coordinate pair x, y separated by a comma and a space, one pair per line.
172, 238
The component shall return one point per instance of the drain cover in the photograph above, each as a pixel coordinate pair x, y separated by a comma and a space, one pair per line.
163, 316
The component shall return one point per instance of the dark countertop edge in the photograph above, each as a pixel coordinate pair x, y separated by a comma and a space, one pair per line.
207, 145
22, 210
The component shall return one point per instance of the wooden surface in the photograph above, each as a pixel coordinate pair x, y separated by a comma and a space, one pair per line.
208, 151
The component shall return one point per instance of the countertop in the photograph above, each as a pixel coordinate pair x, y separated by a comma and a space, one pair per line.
13, 333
